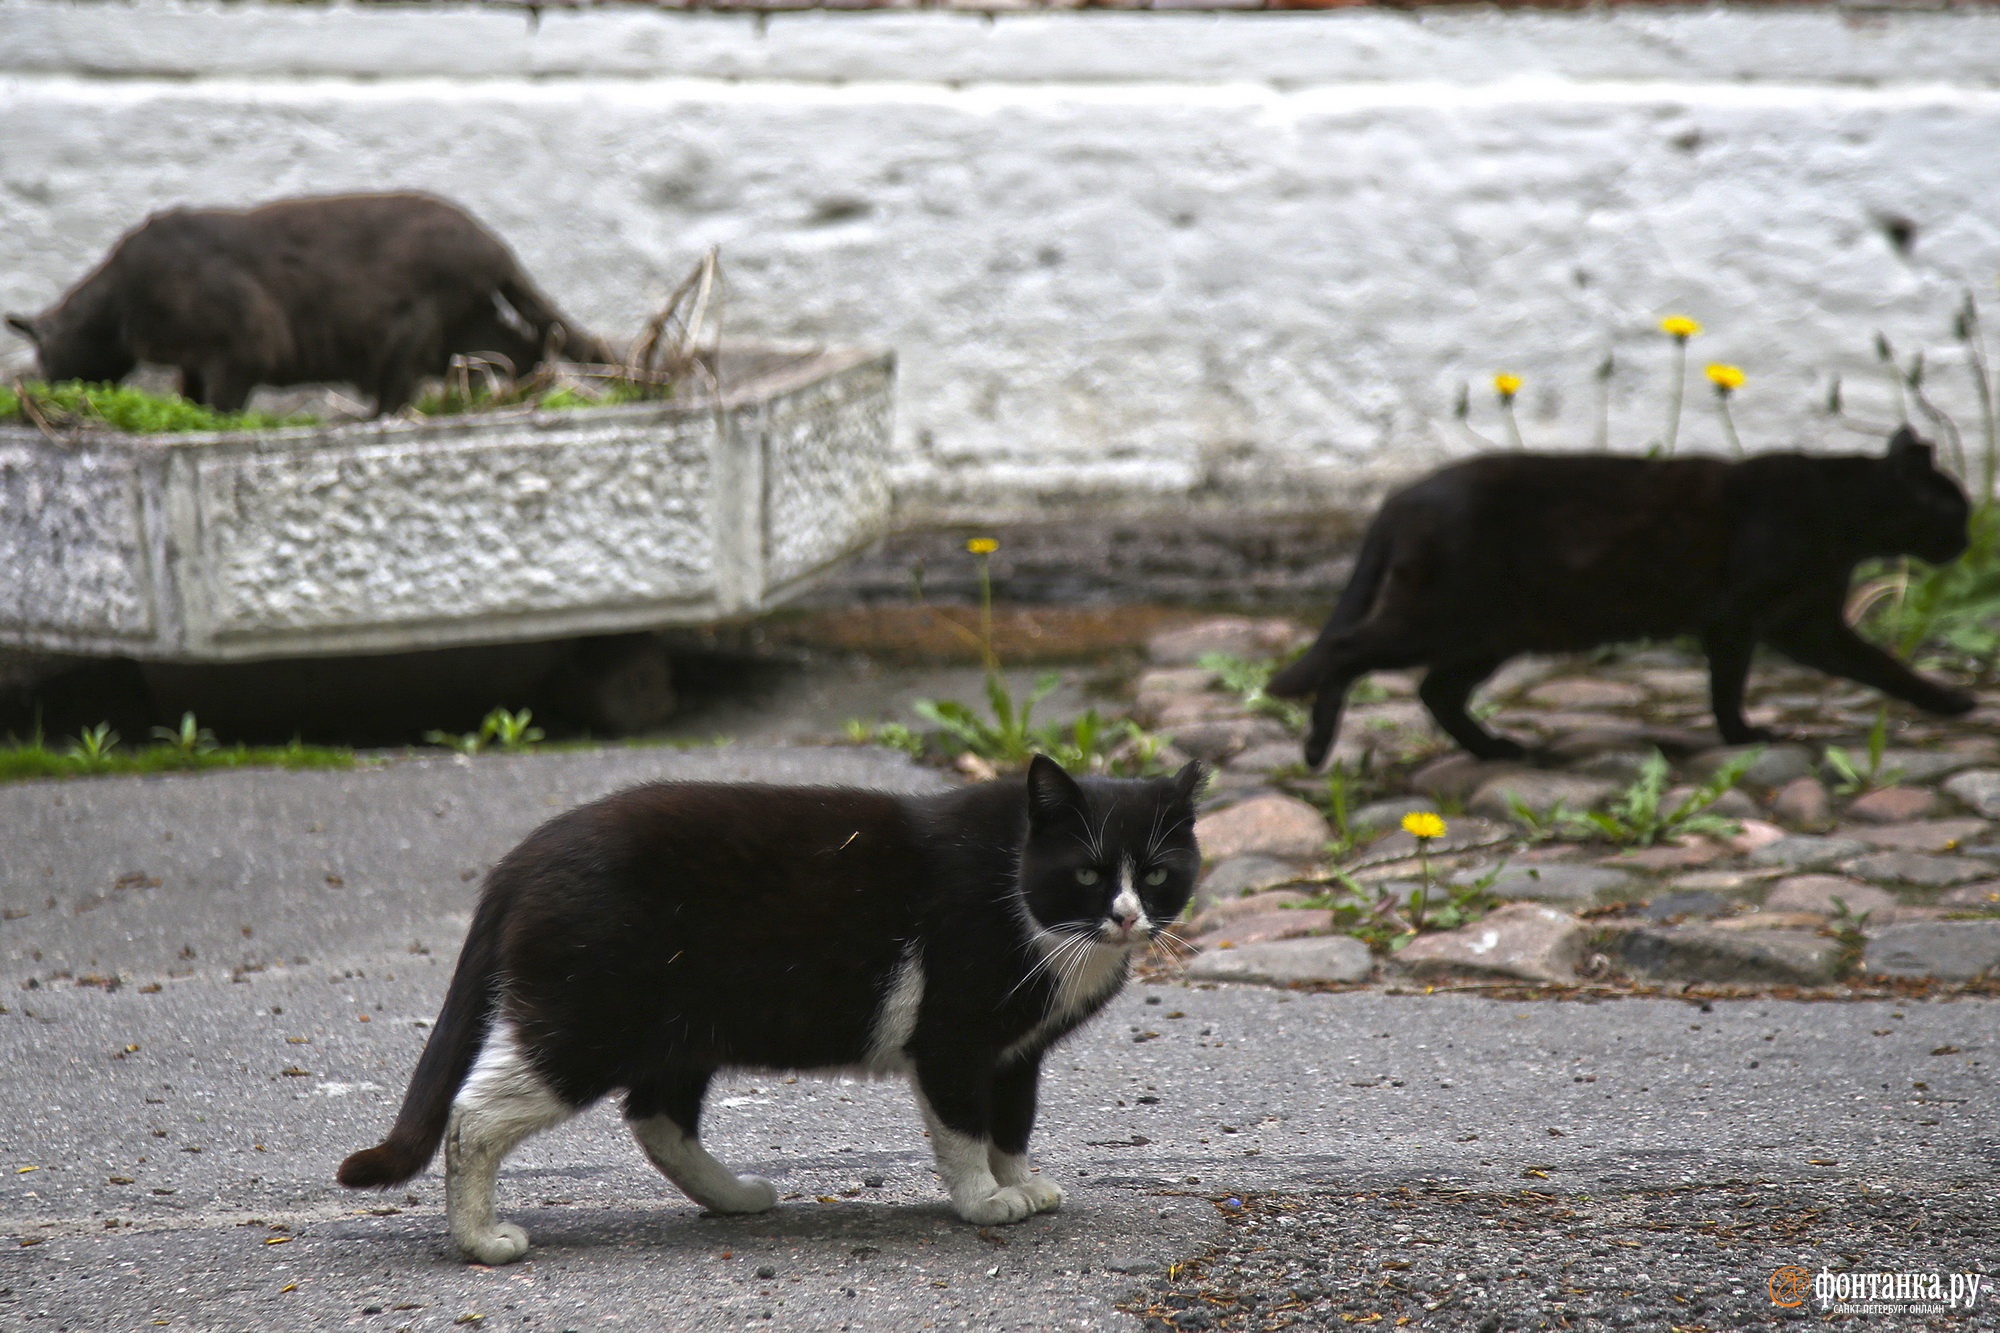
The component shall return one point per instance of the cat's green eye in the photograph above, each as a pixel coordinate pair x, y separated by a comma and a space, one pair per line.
1086, 876
1156, 876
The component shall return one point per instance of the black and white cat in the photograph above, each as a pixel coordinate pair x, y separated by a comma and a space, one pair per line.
645, 941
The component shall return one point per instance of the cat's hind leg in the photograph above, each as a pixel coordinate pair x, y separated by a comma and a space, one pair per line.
502, 1102
1328, 704
1446, 688
1013, 1118
666, 1120
1730, 649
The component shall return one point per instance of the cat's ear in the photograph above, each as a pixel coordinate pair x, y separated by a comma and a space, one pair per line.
24, 326
1909, 452
1190, 780
1052, 793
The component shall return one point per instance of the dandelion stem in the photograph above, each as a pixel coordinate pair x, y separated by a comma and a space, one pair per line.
1420, 901
1885, 352
992, 659
1975, 341
1728, 423
1954, 442
1674, 392
1604, 372
1513, 426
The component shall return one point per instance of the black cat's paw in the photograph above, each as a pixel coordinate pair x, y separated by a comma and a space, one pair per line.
1952, 703
1316, 747
1750, 736
1499, 749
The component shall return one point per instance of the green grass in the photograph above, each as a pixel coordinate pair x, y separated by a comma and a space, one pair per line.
1008, 740
448, 401
1385, 926
97, 753
508, 732
74, 403
1947, 611
1246, 679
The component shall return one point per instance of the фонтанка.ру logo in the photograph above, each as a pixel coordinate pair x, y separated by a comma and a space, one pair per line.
1877, 1293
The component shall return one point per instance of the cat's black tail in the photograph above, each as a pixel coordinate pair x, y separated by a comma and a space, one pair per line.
448, 1055
572, 343
1302, 678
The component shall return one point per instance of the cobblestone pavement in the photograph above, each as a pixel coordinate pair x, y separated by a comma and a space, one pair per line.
1826, 864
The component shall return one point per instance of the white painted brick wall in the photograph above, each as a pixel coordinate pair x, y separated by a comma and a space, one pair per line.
1150, 259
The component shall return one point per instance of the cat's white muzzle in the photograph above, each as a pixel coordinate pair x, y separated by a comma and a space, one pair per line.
1126, 924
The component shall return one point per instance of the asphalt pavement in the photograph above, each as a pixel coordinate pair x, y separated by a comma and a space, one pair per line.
215, 987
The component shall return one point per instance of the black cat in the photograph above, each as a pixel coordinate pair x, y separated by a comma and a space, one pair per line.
643, 942
1517, 553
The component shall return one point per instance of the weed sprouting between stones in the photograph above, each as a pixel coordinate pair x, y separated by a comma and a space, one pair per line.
1856, 778
1247, 679
1640, 816
510, 732
1386, 922
1007, 736
1850, 930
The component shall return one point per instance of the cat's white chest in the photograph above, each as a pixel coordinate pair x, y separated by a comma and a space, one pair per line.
1083, 983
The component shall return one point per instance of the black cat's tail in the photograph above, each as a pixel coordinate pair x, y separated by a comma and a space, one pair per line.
570, 342
447, 1059
1302, 678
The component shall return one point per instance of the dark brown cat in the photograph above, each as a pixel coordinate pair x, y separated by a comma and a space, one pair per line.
1519, 553
377, 290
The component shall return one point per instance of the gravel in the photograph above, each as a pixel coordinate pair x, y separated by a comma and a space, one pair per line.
1667, 1258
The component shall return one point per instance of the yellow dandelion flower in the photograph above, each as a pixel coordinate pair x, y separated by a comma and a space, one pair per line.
1724, 377
1507, 385
1680, 326
1423, 824
982, 546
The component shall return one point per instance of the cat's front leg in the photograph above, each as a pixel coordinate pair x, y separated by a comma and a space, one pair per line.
1832, 647
955, 1112
665, 1116
1013, 1119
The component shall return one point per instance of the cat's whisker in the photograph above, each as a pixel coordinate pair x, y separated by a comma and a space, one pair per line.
1161, 836
1073, 962
1097, 836
1050, 956
1153, 833
1054, 964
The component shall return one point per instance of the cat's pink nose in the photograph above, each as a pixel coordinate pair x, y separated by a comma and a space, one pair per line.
1125, 920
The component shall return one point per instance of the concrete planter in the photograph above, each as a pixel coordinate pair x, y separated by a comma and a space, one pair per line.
395, 536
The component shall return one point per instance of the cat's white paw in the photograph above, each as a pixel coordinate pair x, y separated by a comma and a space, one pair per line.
1045, 1195
752, 1194
1004, 1207
502, 1245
